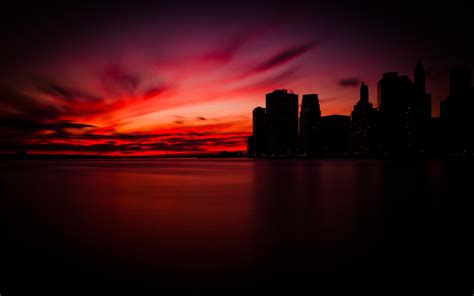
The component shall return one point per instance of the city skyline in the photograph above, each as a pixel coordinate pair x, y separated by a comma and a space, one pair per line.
401, 124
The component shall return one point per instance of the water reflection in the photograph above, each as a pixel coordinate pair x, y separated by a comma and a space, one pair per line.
199, 222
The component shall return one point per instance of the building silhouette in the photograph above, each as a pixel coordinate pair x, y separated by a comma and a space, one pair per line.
251, 146
310, 116
333, 135
281, 122
394, 96
456, 113
460, 82
405, 113
401, 125
362, 127
421, 112
259, 127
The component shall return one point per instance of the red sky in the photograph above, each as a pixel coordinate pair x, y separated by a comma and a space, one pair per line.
155, 85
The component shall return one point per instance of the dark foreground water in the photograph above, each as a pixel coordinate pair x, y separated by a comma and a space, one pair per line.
196, 225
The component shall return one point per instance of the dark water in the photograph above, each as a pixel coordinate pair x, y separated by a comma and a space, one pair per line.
190, 225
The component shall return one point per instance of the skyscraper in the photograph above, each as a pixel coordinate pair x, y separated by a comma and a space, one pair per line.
310, 116
251, 146
420, 78
460, 82
362, 124
395, 97
421, 111
282, 122
456, 122
333, 134
259, 134
422, 99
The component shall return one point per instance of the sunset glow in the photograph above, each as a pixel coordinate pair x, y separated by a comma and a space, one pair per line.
184, 82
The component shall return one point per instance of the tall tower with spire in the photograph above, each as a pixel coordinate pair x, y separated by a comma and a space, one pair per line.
364, 93
420, 117
422, 99
361, 131
310, 116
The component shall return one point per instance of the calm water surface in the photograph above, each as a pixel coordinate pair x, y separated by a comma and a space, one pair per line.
196, 224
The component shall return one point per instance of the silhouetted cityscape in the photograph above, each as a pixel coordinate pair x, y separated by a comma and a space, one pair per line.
400, 125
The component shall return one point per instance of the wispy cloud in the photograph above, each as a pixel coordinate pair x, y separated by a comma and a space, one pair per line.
67, 93
349, 82
116, 80
286, 56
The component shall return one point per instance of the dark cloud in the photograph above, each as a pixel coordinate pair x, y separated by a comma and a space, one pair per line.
68, 124
114, 137
60, 147
350, 82
22, 114
67, 93
286, 56
277, 81
24, 106
201, 118
153, 92
184, 142
24, 124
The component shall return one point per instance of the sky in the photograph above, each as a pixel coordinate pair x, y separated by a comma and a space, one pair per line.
150, 78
